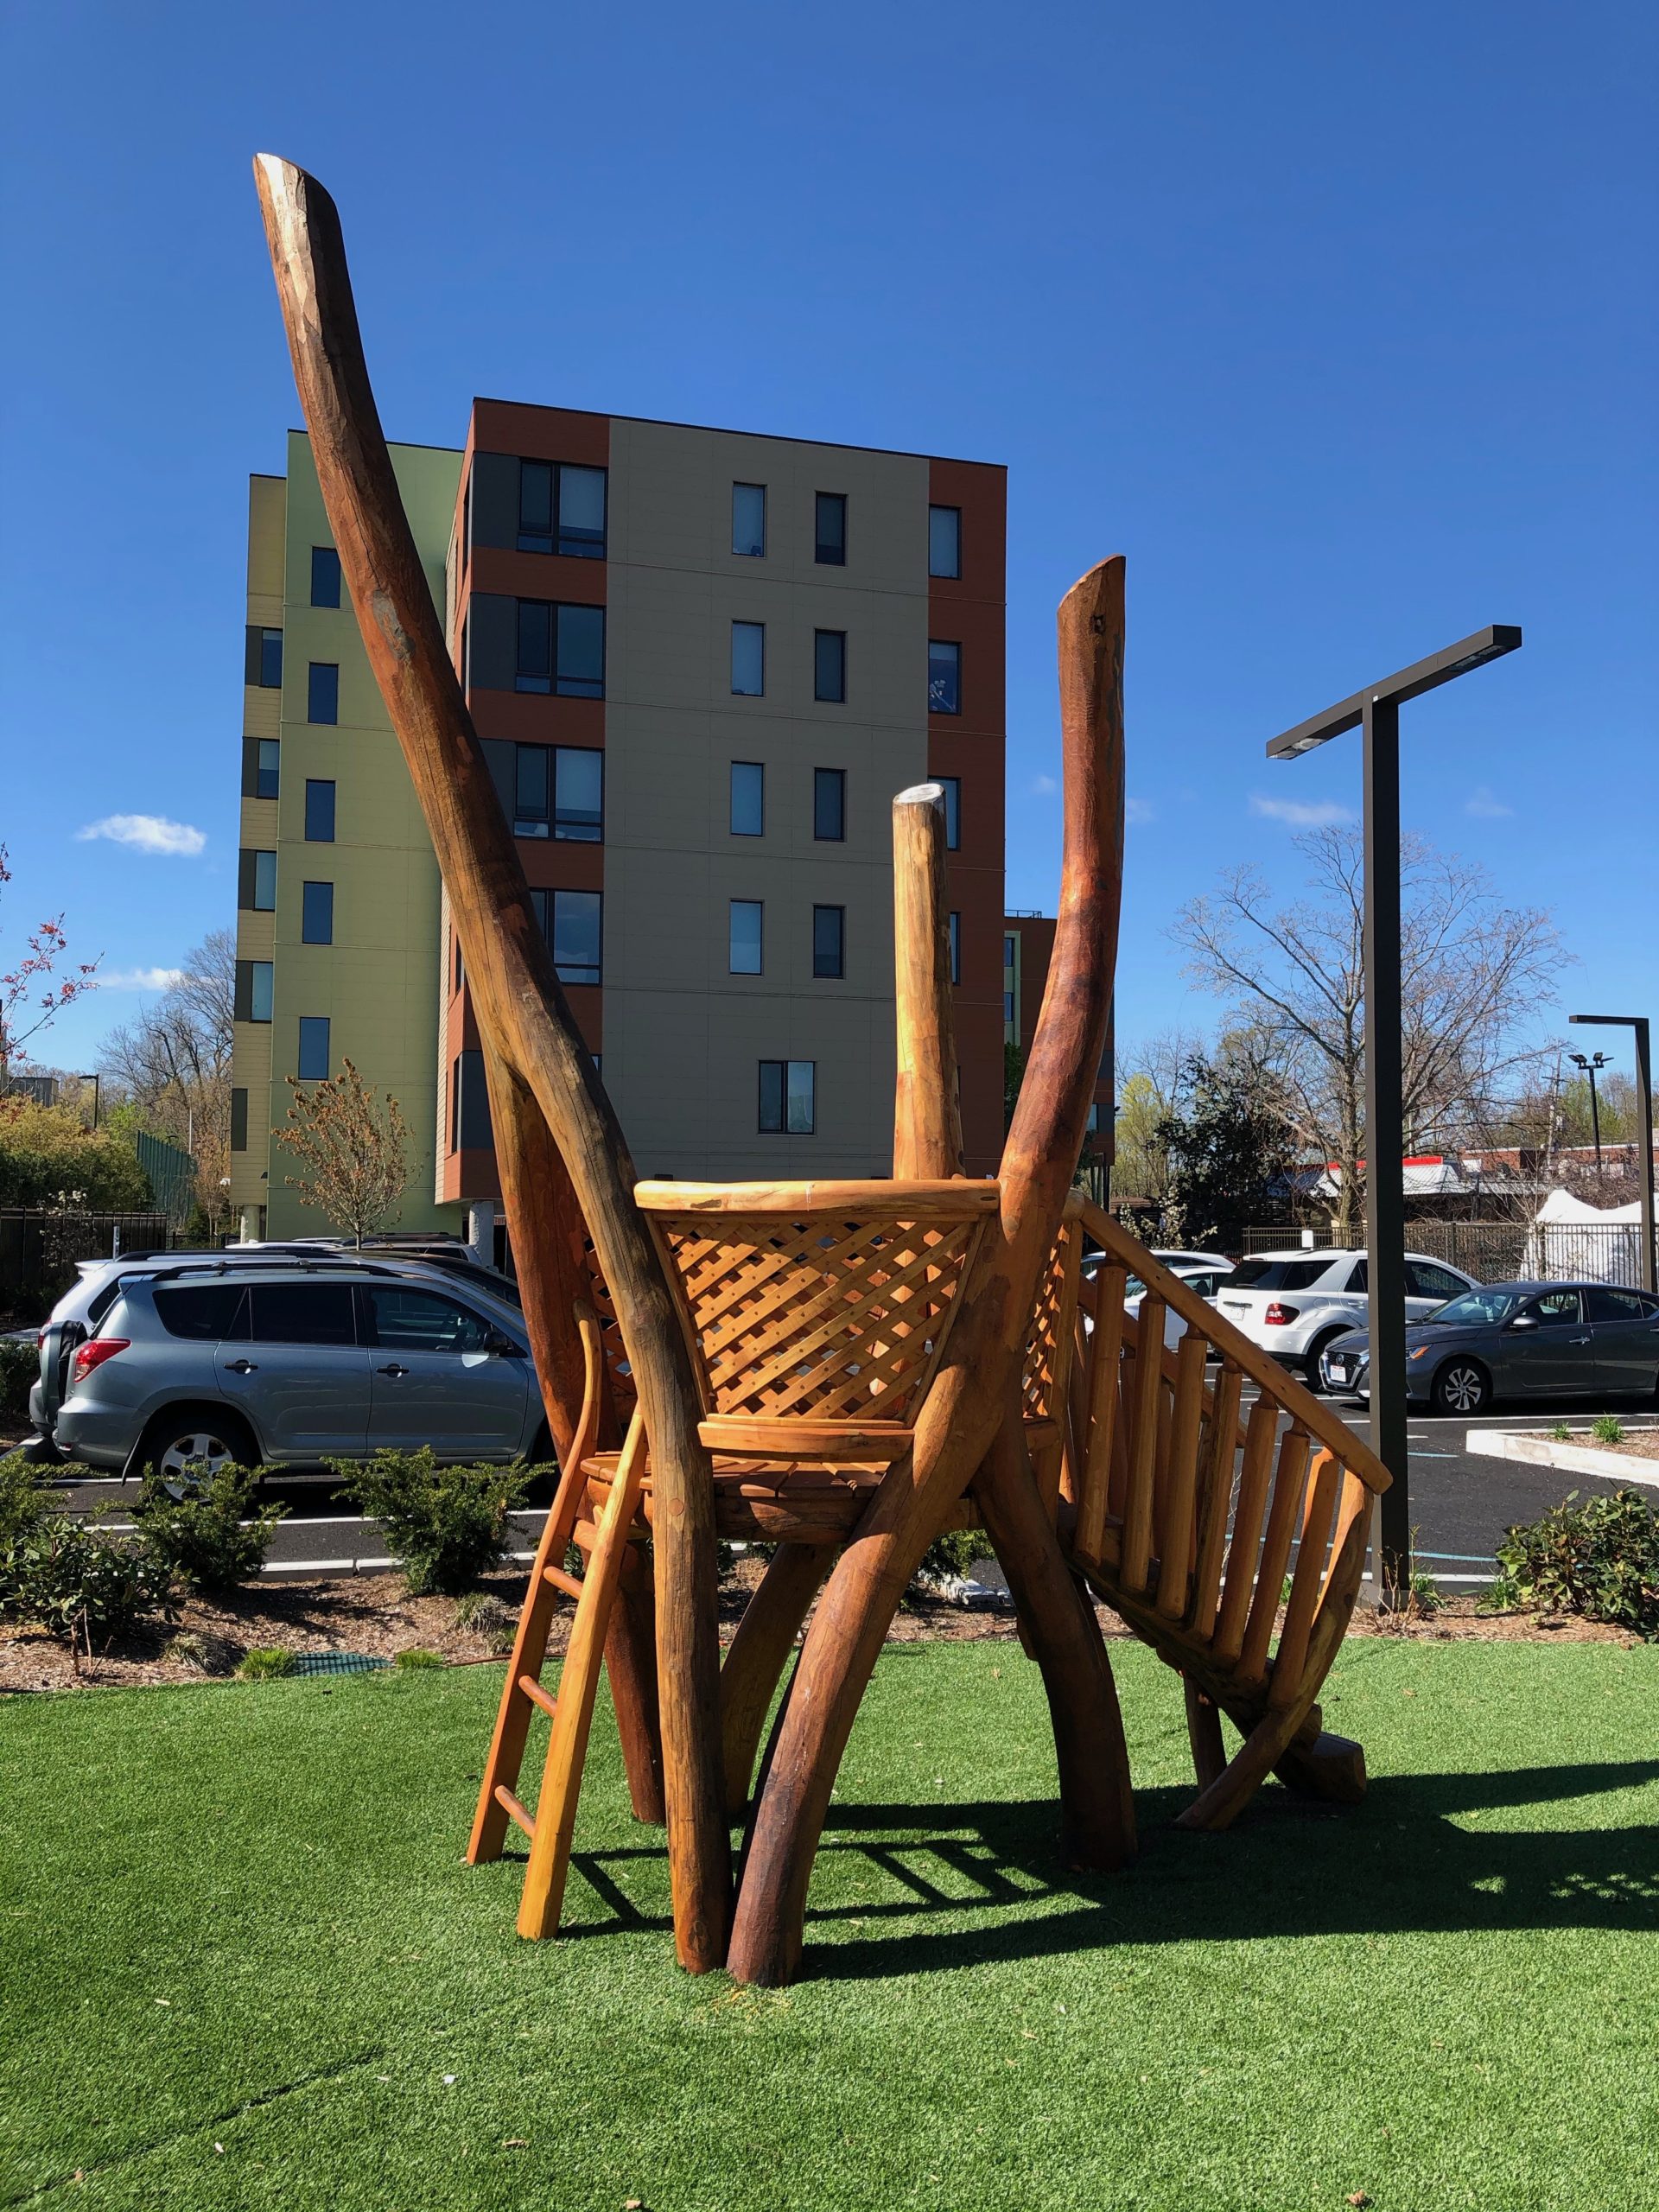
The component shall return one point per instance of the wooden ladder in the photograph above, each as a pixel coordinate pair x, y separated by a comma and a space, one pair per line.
570, 1711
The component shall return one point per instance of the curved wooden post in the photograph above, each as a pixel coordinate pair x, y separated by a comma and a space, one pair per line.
969, 1395
521, 1008
1057, 1620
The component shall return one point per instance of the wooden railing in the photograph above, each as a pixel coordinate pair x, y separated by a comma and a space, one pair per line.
1186, 1519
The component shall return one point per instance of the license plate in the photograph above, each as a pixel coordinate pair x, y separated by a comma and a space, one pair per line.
1339, 1368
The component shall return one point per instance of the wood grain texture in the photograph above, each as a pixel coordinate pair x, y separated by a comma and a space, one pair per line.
520, 1008
927, 1109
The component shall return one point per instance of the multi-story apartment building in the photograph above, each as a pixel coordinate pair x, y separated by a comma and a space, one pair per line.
1027, 947
701, 663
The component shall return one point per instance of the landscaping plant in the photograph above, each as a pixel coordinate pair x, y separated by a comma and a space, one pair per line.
446, 1525
206, 1527
20, 1364
1607, 1428
78, 1585
1599, 1558
261, 1662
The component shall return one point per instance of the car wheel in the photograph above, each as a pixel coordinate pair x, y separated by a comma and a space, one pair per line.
1462, 1386
196, 1436
1316, 1352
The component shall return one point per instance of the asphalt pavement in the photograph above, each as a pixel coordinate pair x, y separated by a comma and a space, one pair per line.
1461, 1502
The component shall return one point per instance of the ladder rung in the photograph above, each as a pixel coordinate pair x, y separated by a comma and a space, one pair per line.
560, 1580
533, 1690
515, 1810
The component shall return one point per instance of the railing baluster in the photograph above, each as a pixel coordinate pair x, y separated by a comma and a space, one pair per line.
1217, 1498
1105, 1353
1282, 1517
1181, 1480
1143, 1442
1324, 1482
1247, 1528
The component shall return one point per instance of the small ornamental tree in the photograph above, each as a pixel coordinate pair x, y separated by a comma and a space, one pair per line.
34, 992
353, 1148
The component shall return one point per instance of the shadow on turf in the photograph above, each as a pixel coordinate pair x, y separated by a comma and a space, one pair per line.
1397, 1863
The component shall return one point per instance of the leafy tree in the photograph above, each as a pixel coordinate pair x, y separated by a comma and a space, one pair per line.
1228, 1146
35, 992
48, 1157
353, 1148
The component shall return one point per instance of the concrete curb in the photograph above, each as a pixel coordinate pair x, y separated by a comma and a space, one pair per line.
1573, 1458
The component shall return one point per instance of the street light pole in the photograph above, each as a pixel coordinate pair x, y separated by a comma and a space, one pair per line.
1375, 713
1637, 1024
1590, 1063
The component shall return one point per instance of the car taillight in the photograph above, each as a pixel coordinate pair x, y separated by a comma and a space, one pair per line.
95, 1353
1277, 1315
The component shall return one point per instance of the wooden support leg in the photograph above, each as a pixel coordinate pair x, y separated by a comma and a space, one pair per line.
631, 1663
1204, 1732
760, 1652
1318, 1764
1096, 1805
1219, 1803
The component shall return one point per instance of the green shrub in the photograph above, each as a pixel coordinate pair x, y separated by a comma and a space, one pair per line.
262, 1663
1607, 1428
206, 1527
25, 1501
1560, 1433
953, 1554
78, 1586
446, 1525
20, 1368
1599, 1559
410, 1662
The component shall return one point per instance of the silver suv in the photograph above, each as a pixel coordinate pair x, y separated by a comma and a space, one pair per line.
262, 1359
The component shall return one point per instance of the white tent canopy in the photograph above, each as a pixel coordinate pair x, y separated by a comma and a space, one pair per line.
1591, 1243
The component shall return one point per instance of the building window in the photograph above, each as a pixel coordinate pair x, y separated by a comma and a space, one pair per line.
238, 1120
788, 1097
572, 923
561, 650
830, 666
257, 887
748, 799
562, 509
458, 965
317, 913
749, 520
748, 660
829, 805
264, 658
550, 791
322, 692
1007, 1008
952, 787
578, 794
745, 936
943, 678
325, 577
945, 541
319, 810
830, 538
253, 990
268, 765
469, 1103
313, 1047
953, 924
828, 941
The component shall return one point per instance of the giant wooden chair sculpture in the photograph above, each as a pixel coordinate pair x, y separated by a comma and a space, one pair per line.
833, 1366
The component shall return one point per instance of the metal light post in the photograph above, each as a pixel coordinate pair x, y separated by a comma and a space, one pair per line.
1637, 1023
1590, 1063
1375, 712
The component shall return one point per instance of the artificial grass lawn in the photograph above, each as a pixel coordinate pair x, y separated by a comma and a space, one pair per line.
243, 1966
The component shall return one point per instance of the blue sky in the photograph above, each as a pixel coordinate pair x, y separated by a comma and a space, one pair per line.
1340, 323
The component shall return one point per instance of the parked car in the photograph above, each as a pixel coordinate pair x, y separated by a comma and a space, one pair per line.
1517, 1340
268, 1358
1178, 1261
1203, 1280
1296, 1304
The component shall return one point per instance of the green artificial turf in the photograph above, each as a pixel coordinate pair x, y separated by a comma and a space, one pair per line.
242, 1964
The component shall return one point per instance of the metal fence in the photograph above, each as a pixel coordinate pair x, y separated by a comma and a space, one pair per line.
1496, 1251
39, 1250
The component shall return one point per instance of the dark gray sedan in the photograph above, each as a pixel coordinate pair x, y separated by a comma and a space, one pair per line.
1516, 1340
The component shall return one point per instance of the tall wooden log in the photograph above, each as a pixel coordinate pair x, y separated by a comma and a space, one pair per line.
927, 1102
969, 1396
521, 1008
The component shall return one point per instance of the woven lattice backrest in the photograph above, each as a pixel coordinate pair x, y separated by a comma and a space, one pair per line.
1048, 1347
821, 1302
618, 1374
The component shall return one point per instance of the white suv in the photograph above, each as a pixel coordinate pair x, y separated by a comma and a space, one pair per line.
1294, 1303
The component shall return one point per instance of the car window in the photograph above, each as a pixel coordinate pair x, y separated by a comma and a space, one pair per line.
303, 1313
1277, 1274
1471, 1308
1557, 1309
1360, 1277
207, 1312
1606, 1304
1425, 1280
419, 1321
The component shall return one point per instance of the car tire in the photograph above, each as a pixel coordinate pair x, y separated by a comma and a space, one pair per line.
186, 1433
1461, 1389
1315, 1353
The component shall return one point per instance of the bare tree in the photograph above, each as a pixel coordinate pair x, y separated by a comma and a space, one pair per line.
1472, 972
173, 1062
354, 1149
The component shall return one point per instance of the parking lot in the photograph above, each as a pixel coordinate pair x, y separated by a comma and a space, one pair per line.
1461, 1501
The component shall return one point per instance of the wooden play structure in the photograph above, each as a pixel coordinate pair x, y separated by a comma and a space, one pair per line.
843, 1370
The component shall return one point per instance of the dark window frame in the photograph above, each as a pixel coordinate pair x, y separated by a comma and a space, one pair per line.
558, 538
325, 573
324, 669
837, 672
318, 810
759, 907
820, 835
307, 900
824, 552
821, 973
759, 768
553, 682
954, 646
951, 787
746, 553
312, 1023
760, 628
780, 1126
262, 667
942, 507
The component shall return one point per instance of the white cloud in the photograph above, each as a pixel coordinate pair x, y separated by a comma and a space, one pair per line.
139, 979
1136, 809
147, 833
1320, 814
1484, 802
1045, 786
